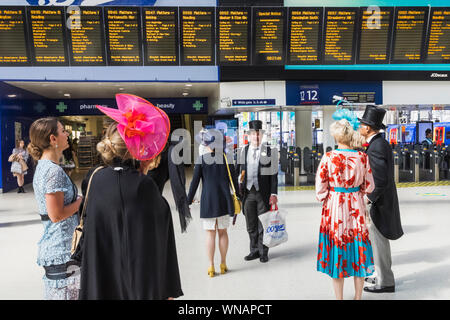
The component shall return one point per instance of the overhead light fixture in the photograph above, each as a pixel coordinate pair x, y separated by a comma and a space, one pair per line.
185, 93
120, 89
188, 85
12, 95
66, 94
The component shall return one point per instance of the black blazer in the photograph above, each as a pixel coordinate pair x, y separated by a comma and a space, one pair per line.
268, 184
385, 212
216, 199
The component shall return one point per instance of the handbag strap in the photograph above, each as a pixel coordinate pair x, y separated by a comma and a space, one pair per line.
229, 174
87, 194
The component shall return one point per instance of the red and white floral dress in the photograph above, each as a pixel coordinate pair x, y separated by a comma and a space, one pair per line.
342, 180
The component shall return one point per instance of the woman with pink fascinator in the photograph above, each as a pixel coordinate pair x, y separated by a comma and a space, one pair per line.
128, 244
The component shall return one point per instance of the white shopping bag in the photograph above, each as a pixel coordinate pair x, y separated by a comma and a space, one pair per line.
274, 224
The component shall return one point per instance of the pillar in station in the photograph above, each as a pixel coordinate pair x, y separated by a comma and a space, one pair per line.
328, 140
303, 129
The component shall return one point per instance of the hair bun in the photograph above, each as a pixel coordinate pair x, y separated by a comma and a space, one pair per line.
34, 151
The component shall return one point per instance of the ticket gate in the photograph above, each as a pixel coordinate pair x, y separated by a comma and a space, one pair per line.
408, 164
444, 162
292, 175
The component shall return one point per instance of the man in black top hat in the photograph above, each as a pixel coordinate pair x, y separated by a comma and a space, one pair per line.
384, 210
258, 188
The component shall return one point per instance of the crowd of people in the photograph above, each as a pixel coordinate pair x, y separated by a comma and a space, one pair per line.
127, 249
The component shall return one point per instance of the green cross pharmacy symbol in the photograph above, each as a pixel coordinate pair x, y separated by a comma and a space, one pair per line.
61, 107
197, 105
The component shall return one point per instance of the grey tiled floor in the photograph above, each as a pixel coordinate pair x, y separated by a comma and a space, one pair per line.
421, 258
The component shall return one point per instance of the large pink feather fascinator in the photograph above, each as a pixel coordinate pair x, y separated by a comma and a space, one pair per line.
144, 127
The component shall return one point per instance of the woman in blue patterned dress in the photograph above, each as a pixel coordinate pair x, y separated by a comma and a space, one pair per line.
58, 203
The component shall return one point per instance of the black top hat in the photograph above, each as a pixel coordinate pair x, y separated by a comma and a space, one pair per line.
255, 125
373, 116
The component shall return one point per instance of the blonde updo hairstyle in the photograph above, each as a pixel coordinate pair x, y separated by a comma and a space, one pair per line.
40, 132
343, 133
112, 146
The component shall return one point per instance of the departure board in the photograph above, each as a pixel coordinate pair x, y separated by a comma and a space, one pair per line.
340, 39
438, 49
13, 44
375, 29
305, 35
269, 36
123, 34
197, 36
233, 31
86, 37
160, 36
47, 32
409, 34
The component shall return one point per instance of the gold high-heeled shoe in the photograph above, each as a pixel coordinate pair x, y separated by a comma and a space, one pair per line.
211, 271
223, 268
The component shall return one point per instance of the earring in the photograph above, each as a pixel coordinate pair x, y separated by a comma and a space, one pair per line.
56, 146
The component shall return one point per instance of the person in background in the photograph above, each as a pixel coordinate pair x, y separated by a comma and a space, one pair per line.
19, 164
384, 208
343, 179
428, 142
128, 250
58, 203
216, 204
259, 190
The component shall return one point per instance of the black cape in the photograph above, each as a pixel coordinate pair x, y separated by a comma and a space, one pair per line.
385, 212
128, 240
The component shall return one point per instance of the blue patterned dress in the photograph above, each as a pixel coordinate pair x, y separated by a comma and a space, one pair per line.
55, 244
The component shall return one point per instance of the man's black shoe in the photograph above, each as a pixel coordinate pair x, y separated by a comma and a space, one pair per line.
252, 256
379, 289
371, 280
264, 259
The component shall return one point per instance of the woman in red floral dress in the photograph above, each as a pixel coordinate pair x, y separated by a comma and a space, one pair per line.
343, 179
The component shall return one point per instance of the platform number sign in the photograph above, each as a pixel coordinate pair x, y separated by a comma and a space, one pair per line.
309, 95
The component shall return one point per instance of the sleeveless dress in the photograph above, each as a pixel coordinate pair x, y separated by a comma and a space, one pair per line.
342, 180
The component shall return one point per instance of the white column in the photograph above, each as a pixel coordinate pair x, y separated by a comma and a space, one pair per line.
303, 129
328, 140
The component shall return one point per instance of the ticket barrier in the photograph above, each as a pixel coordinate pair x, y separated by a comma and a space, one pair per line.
444, 162
283, 159
428, 165
292, 175
407, 165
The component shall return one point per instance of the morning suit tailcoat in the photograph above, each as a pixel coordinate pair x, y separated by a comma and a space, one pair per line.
268, 184
216, 199
385, 212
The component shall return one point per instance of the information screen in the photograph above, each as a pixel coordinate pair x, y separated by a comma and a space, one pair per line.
438, 49
305, 35
409, 34
13, 44
86, 37
123, 34
269, 36
197, 36
374, 45
160, 36
233, 29
339, 43
48, 46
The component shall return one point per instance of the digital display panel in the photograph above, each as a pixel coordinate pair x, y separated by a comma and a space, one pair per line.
13, 44
269, 36
438, 49
197, 36
86, 36
305, 35
409, 34
160, 36
339, 35
375, 35
47, 33
123, 34
233, 30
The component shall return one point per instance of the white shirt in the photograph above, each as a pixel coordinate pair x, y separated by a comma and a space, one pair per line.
371, 137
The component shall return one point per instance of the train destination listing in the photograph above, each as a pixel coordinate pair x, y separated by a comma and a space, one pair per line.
13, 46
305, 27
269, 36
439, 36
197, 36
161, 36
233, 28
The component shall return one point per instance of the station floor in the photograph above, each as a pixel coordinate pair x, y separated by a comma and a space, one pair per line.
421, 258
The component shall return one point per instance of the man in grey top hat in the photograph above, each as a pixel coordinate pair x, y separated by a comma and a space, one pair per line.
384, 211
258, 188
